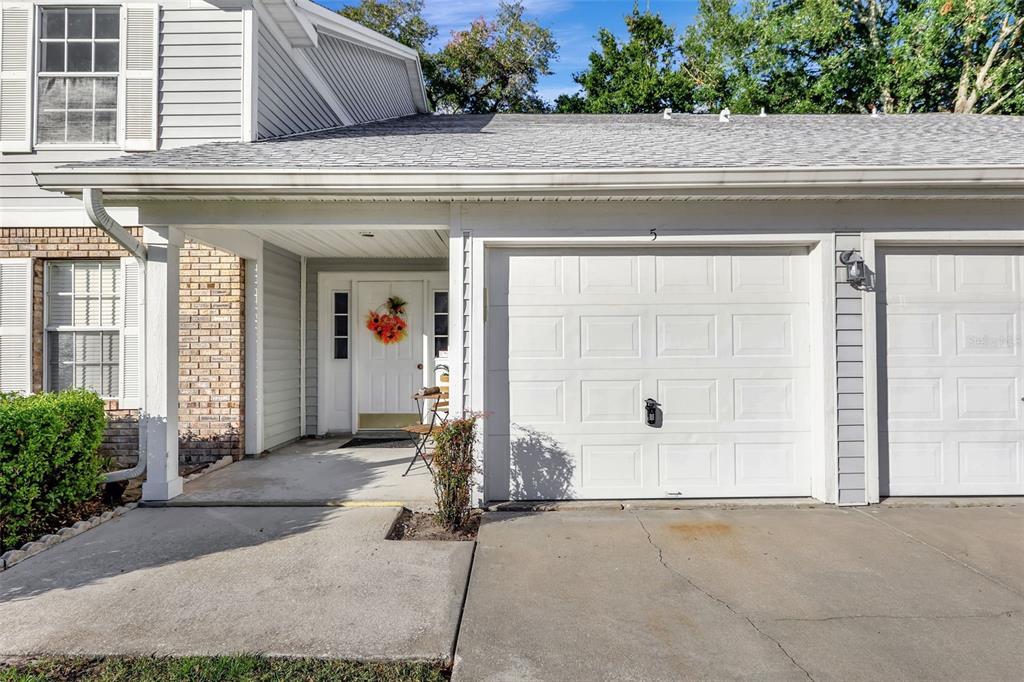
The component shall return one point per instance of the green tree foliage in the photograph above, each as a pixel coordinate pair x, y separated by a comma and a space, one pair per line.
965, 56
827, 56
491, 66
638, 75
400, 20
813, 56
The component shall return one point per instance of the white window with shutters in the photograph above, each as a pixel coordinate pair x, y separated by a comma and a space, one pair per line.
16, 325
78, 75
92, 327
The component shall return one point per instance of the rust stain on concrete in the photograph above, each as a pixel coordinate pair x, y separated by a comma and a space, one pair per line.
700, 531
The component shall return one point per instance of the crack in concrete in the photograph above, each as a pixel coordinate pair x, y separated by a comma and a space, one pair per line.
719, 600
868, 616
944, 553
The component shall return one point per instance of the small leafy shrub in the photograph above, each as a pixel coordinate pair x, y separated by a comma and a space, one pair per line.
453, 467
49, 458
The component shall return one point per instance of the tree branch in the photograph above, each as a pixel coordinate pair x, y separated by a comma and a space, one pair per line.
995, 105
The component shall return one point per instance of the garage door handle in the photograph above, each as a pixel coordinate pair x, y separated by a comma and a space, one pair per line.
651, 409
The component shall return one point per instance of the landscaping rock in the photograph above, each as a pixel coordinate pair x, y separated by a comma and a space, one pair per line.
81, 526
50, 540
12, 557
106, 516
32, 548
68, 533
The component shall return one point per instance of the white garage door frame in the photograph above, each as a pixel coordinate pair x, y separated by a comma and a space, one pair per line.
821, 249
873, 244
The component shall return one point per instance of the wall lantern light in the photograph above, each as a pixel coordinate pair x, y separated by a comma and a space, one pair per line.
856, 272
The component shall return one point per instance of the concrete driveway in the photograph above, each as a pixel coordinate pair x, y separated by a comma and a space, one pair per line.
767, 594
283, 581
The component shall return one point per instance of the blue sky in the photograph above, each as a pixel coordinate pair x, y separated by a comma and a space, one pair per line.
573, 22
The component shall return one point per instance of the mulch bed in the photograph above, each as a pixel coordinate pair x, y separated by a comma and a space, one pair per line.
422, 526
111, 496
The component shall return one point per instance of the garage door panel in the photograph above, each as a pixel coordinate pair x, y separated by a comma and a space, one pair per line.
580, 400
597, 466
661, 335
954, 368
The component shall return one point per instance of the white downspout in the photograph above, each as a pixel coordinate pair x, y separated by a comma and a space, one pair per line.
93, 200
302, 346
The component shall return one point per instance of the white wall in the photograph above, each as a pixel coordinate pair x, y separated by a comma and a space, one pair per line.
281, 346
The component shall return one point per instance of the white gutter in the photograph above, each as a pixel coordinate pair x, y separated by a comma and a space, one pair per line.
93, 199
384, 182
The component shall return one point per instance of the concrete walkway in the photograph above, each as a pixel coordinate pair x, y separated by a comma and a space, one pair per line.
767, 594
316, 472
284, 581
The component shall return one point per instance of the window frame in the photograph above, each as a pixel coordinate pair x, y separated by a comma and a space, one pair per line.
433, 327
38, 73
348, 324
117, 328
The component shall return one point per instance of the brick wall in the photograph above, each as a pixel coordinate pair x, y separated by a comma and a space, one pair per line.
211, 407
212, 354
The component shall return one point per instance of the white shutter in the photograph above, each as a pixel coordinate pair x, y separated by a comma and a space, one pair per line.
16, 324
16, 78
131, 323
139, 64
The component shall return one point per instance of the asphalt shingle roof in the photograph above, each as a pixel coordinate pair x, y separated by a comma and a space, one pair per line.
614, 141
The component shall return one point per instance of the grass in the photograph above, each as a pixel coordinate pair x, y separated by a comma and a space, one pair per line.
214, 669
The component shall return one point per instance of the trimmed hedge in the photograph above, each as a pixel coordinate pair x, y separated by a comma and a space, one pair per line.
49, 458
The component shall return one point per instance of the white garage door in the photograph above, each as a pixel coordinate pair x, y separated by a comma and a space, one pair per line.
955, 371
579, 339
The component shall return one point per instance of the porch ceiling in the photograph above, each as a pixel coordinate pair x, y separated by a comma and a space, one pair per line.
320, 242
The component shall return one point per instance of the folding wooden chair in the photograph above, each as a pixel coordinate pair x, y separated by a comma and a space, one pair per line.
423, 433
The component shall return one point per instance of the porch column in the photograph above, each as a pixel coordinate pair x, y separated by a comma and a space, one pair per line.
158, 427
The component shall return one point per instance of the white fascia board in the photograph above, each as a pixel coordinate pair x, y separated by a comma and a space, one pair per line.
333, 24
346, 29
1007, 181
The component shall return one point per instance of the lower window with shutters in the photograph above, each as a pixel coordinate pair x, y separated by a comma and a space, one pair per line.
83, 326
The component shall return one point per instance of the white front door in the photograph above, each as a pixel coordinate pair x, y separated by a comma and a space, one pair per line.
579, 339
952, 325
390, 371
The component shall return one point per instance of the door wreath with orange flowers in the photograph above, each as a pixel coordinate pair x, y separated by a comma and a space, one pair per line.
388, 322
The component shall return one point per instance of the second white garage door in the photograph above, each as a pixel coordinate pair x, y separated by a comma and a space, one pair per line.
952, 321
579, 339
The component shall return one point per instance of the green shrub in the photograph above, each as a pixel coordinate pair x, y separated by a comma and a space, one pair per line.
49, 458
453, 468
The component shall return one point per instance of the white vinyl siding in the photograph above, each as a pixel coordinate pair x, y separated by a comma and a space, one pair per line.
281, 345
288, 103
371, 85
16, 325
200, 96
852, 482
